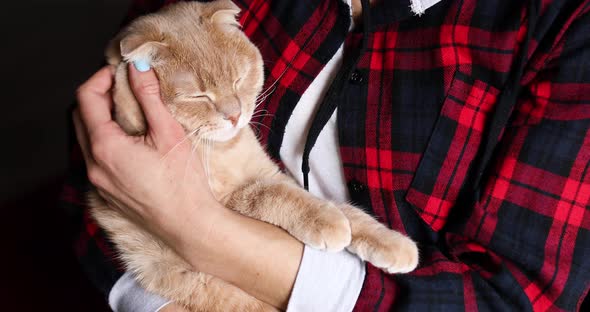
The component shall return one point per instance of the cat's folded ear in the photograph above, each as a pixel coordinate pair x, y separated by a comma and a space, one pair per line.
140, 46
131, 46
225, 14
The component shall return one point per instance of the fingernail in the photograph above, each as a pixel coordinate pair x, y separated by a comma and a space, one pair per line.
141, 65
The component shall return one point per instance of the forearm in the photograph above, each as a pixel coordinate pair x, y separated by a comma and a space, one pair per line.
257, 257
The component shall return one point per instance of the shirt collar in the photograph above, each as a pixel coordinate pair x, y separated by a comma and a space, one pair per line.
419, 6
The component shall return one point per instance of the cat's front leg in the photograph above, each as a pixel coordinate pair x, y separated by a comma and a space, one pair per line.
384, 248
318, 223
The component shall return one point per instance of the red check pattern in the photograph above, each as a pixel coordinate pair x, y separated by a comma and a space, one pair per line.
468, 104
411, 125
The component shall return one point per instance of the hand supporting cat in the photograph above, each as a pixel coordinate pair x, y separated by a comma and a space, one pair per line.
208, 236
126, 183
213, 104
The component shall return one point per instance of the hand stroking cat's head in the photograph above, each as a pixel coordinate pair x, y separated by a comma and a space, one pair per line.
210, 73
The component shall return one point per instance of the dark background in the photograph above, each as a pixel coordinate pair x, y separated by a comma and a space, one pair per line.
48, 48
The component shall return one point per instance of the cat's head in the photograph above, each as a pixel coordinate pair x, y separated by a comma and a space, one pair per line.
210, 73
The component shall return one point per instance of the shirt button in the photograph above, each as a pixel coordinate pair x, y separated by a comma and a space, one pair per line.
356, 77
359, 196
357, 187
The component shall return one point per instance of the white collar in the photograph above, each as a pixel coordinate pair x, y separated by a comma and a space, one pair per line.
419, 6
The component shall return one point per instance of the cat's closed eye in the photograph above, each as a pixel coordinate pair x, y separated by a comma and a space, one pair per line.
196, 96
200, 97
237, 83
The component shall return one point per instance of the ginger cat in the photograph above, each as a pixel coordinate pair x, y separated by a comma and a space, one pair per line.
210, 77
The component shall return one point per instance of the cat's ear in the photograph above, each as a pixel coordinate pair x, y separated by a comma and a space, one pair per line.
226, 14
226, 17
137, 46
134, 46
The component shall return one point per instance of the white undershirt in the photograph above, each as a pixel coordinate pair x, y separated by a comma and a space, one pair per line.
326, 176
325, 281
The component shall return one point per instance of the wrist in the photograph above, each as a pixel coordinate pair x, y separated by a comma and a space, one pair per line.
208, 243
193, 232
257, 257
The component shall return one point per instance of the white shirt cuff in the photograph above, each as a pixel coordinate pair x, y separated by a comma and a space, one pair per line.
327, 281
128, 296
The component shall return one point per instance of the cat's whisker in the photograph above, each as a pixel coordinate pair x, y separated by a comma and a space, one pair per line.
262, 92
209, 147
260, 124
272, 87
205, 153
202, 142
256, 131
188, 161
268, 91
186, 137
264, 95
260, 111
262, 115
261, 99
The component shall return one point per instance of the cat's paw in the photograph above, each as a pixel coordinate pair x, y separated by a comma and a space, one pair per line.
328, 229
400, 257
391, 251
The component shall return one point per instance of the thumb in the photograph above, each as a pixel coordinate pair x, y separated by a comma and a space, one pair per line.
164, 130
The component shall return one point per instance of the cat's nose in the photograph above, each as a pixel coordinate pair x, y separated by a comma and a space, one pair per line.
233, 118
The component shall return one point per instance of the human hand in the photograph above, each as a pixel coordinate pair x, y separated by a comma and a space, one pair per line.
154, 179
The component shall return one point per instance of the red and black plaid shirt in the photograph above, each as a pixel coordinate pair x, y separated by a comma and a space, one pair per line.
415, 113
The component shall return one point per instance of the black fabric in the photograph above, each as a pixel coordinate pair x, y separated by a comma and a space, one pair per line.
331, 100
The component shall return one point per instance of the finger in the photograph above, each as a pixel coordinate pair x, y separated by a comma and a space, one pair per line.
95, 100
82, 137
161, 124
95, 175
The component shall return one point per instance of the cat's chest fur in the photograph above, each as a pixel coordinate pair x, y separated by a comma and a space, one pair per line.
238, 161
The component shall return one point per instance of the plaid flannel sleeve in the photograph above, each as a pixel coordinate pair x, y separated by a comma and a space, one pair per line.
526, 242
